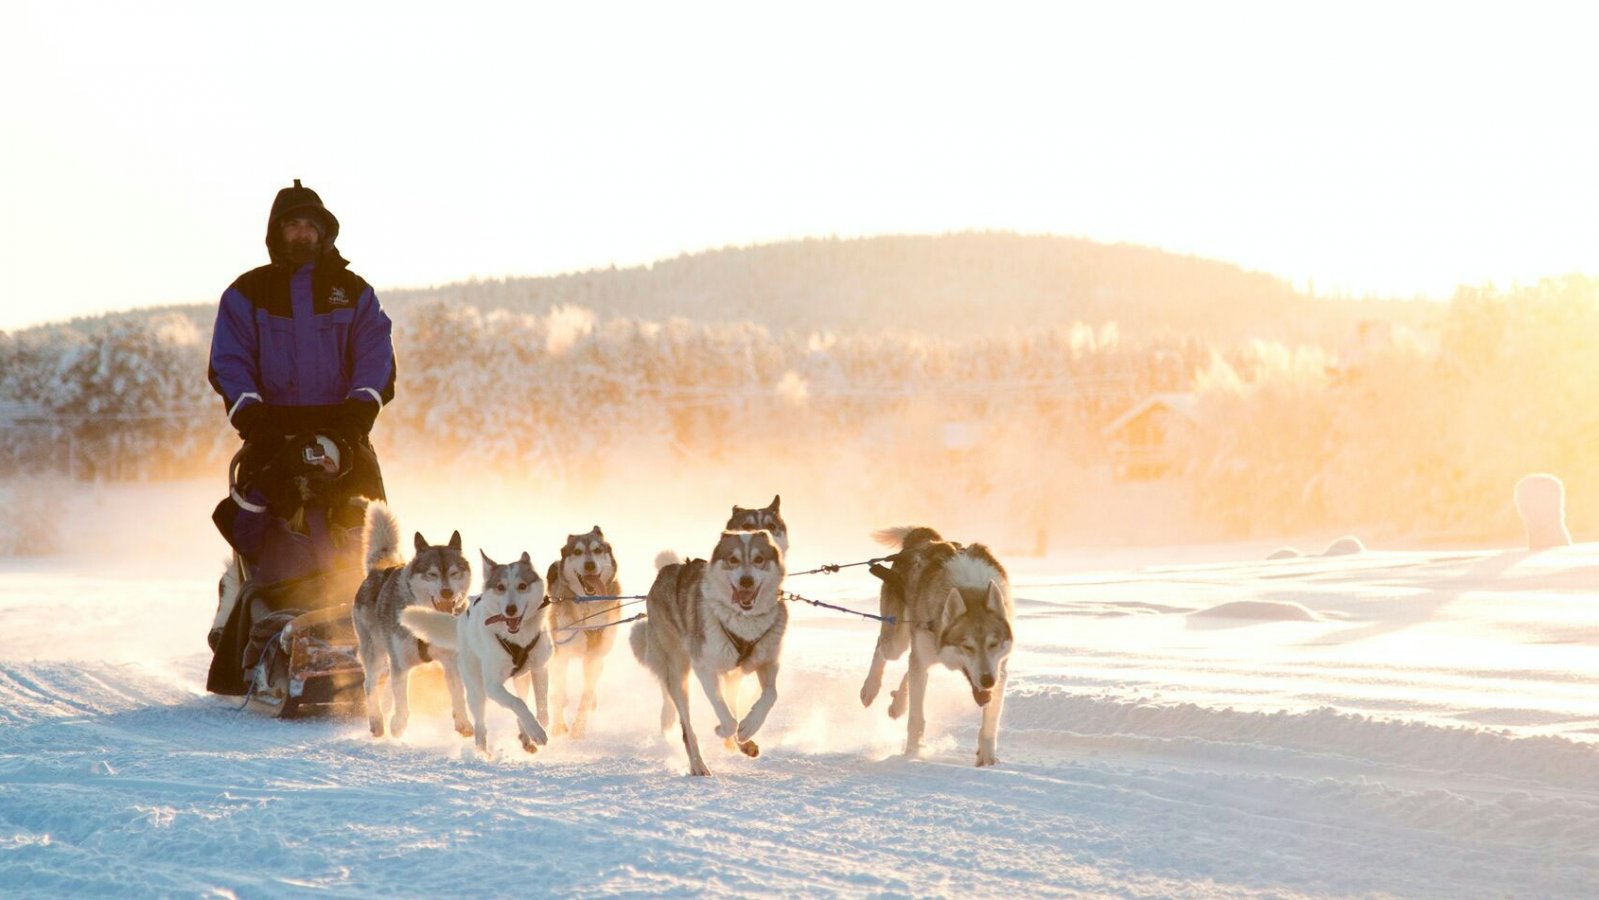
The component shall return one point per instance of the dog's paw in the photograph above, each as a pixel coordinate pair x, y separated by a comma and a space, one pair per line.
464, 729
578, 730
749, 748
558, 728
528, 744
726, 730
697, 768
397, 728
898, 700
869, 692
376, 726
986, 758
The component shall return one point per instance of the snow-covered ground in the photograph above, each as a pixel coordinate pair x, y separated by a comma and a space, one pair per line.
1180, 723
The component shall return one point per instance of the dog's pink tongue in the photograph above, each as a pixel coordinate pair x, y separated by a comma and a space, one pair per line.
744, 597
982, 697
591, 584
511, 625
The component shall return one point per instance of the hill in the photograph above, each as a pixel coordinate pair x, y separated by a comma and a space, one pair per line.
956, 285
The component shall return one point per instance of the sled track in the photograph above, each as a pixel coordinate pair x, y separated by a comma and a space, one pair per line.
110, 775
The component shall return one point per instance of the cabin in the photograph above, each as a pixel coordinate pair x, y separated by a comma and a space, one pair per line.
1144, 441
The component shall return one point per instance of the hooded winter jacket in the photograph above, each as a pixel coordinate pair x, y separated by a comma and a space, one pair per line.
307, 335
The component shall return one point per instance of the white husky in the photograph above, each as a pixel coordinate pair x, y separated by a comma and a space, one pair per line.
504, 634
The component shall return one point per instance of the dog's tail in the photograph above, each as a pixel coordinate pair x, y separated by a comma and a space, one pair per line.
638, 639
667, 558
380, 540
906, 536
229, 587
431, 625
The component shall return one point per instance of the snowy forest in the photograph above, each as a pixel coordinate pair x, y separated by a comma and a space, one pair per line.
987, 365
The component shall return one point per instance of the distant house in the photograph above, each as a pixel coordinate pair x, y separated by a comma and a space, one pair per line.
1141, 439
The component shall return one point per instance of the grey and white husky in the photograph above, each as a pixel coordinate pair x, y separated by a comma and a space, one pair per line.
504, 635
766, 518
721, 619
952, 605
437, 577
587, 568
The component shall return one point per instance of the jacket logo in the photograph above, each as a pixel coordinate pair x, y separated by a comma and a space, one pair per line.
336, 297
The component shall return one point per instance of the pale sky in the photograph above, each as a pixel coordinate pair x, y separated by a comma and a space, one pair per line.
1390, 148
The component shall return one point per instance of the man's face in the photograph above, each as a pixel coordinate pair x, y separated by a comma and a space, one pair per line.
300, 238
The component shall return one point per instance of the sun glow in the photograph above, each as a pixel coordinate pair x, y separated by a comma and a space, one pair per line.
1380, 150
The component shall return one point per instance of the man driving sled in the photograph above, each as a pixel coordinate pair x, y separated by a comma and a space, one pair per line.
303, 358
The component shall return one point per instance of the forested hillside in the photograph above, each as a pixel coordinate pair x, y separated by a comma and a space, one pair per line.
788, 359
960, 285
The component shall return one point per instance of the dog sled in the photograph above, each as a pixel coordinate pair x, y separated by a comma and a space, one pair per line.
283, 639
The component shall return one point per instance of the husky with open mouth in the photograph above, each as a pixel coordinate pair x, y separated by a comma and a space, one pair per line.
587, 568
437, 577
504, 635
951, 605
721, 619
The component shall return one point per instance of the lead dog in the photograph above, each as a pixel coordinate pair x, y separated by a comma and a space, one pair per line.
437, 576
503, 635
952, 605
721, 619
587, 568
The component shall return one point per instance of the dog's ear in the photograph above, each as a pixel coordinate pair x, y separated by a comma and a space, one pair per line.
421, 542
597, 532
455, 541
487, 563
954, 606
527, 560
996, 599
776, 499
606, 549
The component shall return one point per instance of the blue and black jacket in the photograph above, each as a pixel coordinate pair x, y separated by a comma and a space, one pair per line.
307, 335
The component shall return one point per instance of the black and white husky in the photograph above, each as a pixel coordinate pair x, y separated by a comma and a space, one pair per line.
504, 635
721, 619
438, 578
951, 605
587, 568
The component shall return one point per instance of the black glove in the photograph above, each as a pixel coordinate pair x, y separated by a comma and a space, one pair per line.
356, 417
281, 480
251, 421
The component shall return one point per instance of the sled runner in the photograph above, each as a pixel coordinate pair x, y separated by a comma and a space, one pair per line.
309, 666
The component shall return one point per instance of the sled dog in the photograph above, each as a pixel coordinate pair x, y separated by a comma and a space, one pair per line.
229, 587
438, 576
766, 518
952, 605
722, 619
587, 568
503, 635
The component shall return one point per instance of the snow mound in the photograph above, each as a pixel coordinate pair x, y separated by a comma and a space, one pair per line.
1259, 610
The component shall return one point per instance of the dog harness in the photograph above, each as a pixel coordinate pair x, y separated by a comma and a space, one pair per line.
517, 652
745, 648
